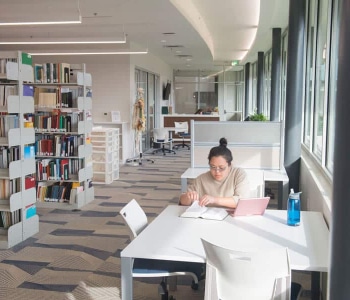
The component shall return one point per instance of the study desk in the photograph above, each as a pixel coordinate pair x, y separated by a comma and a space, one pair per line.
170, 237
268, 175
171, 129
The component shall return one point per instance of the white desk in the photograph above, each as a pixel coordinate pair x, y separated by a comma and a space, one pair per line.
170, 237
171, 129
268, 175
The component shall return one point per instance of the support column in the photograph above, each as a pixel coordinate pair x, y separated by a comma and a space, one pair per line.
276, 67
246, 90
339, 287
260, 83
294, 92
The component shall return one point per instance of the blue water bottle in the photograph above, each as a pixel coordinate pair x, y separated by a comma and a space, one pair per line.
293, 209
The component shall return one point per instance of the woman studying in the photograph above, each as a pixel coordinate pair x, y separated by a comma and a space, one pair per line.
222, 185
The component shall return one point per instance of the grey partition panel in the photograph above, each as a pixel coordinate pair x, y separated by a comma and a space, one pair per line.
238, 132
253, 144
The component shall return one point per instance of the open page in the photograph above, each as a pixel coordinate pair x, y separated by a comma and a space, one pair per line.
194, 211
197, 211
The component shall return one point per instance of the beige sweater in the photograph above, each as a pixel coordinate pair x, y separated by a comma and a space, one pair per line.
235, 185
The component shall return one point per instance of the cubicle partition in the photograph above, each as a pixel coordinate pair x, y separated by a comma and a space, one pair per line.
254, 145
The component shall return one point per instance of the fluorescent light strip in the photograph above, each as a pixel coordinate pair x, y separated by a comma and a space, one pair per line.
79, 21
63, 43
89, 53
40, 23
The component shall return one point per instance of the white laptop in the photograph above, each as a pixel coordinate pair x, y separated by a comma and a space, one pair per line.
250, 206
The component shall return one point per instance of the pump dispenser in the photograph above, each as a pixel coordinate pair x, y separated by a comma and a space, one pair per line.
293, 209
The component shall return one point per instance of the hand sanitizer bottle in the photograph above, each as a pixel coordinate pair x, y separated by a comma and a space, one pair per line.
293, 209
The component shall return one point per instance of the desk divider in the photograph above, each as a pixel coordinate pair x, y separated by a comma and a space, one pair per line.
253, 144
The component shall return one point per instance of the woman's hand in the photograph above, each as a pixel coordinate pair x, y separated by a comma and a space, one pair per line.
192, 195
207, 200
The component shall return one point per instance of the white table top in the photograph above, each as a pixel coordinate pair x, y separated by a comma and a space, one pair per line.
171, 237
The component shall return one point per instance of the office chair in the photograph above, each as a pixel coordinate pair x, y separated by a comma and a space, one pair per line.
136, 219
181, 129
233, 274
161, 137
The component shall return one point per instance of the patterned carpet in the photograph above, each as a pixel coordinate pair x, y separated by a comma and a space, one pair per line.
75, 255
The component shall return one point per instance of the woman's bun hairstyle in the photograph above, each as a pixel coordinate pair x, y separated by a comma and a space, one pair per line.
221, 150
223, 142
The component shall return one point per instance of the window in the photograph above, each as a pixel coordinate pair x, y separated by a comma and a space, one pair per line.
211, 91
309, 92
333, 90
320, 80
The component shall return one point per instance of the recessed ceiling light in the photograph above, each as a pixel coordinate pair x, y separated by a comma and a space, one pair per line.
163, 41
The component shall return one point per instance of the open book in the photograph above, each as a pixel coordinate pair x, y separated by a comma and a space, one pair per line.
197, 211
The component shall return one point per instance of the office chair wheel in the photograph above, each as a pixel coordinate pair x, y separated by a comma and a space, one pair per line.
194, 286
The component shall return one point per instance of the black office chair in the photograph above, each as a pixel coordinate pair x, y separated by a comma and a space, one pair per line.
181, 129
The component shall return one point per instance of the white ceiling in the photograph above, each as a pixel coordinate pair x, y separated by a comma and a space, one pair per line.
221, 34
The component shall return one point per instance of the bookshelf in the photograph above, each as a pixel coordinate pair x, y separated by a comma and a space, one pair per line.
19, 220
105, 154
63, 124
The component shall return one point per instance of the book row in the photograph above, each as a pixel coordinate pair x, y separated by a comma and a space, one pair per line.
9, 218
52, 73
64, 192
57, 169
5, 91
55, 97
56, 121
9, 187
3, 62
58, 145
8, 122
8, 155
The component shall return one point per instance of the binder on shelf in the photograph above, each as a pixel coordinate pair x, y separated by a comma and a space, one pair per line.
28, 90
29, 182
27, 59
30, 211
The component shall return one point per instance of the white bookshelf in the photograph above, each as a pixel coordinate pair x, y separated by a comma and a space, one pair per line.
79, 157
17, 204
105, 154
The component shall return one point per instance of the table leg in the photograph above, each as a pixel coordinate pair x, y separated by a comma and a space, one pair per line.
283, 192
183, 185
315, 285
126, 278
171, 140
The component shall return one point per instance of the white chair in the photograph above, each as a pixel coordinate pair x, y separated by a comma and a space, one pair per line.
136, 219
181, 129
161, 137
239, 275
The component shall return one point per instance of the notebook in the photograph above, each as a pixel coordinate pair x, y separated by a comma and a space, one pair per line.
251, 206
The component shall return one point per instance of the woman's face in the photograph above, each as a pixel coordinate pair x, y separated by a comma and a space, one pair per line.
219, 168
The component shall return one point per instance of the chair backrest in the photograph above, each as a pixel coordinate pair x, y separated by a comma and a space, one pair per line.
182, 126
135, 217
160, 135
248, 275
